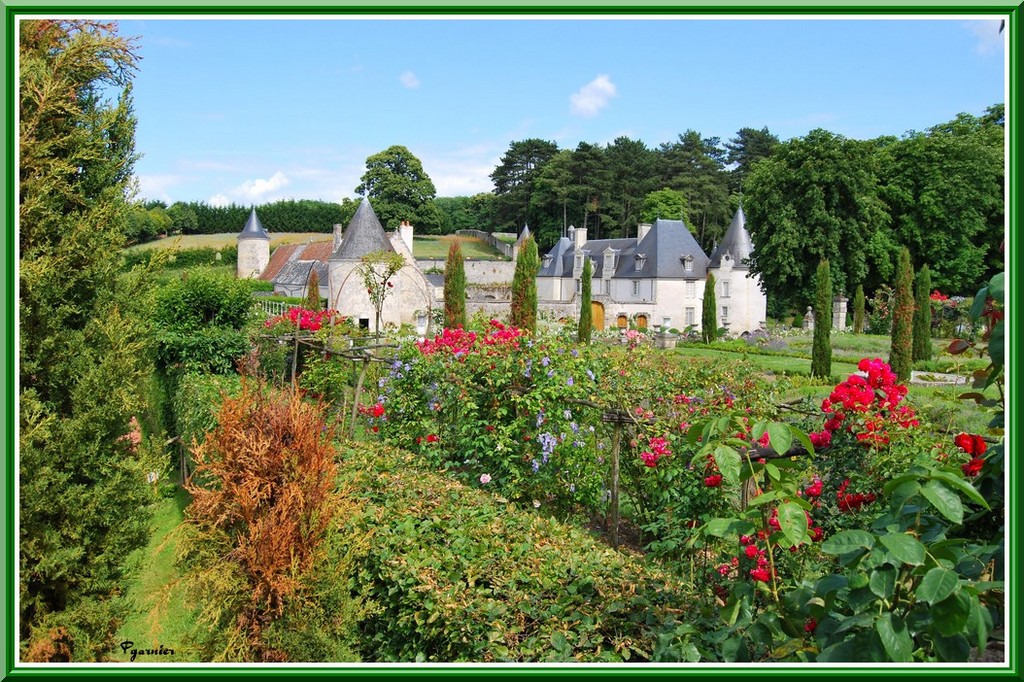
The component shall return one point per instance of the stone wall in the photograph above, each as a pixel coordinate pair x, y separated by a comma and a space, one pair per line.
477, 271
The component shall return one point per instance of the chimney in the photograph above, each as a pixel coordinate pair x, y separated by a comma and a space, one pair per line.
338, 229
405, 231
641, 231
579, 236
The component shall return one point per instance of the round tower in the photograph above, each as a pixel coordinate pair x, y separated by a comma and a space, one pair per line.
253, 249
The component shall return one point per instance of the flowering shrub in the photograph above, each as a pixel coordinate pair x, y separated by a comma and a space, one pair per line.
306, 320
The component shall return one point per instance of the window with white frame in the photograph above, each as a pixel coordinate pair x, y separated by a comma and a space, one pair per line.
691, 289
726, 289
725, 314
691, 316
636, 287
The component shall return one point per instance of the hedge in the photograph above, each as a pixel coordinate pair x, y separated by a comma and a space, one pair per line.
446, 572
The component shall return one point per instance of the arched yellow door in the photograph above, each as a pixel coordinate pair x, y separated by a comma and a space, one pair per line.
641, 322
597, 315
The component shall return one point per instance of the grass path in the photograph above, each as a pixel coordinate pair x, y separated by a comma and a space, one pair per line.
159, 615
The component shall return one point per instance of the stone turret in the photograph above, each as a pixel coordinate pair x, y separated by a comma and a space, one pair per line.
253, 249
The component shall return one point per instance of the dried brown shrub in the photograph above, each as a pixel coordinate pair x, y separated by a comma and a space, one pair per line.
263, 482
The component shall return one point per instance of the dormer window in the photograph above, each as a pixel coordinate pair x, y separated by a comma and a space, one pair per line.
639, 260
547, 259
687, 261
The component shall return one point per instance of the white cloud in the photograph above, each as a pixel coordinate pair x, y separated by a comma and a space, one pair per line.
158, 186
592, 97
987, 34
257, 189
218, 200
409, 80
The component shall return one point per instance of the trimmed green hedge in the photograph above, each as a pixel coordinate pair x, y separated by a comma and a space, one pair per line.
450, 573
184, 258
196, 402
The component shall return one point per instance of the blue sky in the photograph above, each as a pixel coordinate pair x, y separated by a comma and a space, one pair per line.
253, 111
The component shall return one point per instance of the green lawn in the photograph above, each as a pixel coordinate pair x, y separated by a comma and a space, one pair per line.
939, 406
219, 241
425, 246
437, 247
160, 615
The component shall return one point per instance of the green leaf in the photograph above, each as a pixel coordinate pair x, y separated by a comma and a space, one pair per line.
559, 643
728, 461
803, 438
979, 302
937, 585
758, 431
830, 583
997, 343
979, 623
883, 581
772, 471
847, 541
793, 523
897, 482
769, 496
842, 652
904, 548
945, 500
995, 286
952, 649
895, 638
950, 615
780, 436
904, 492
960, 485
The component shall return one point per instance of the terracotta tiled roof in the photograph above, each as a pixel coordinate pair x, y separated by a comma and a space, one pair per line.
281, 255
317, 251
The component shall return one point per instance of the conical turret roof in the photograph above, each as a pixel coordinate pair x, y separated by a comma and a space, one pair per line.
736, 243
363, 236
253, 228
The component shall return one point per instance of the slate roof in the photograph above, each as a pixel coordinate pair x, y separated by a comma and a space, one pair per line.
253, 228
736, 243
662, 247
363, 235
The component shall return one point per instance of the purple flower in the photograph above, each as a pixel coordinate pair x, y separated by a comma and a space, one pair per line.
485, 479
569, 382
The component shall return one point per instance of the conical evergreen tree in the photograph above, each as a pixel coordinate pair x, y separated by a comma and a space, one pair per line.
454, 288
709, 316
586, 316
821, 353
901, 357
858, 310
922, 315
524, 287
313, 301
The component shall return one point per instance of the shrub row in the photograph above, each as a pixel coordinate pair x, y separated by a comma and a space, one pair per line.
184, 258
449, 573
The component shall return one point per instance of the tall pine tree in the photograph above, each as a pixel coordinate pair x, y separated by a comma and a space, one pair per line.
709, 316
821, 352
454, 288
901, 357
524, 287
922, 315
84, 340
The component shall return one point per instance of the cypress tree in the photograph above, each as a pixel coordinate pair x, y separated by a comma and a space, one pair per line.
901, 352
313, 301
586, 319
455, 288
524, 287
709, 317
858, 310
821, 353
85, 341
922, 316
